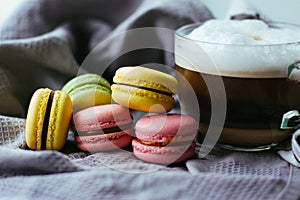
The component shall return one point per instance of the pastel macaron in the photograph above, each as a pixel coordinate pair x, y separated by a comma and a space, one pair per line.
88, 90
103, 128
48, 119
165, 139
144, 89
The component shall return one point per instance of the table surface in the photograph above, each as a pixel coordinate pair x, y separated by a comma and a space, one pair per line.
222, 174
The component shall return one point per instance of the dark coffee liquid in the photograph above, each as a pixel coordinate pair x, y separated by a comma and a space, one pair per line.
252, 103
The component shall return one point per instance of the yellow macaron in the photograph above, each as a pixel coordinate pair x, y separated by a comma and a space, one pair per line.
48, 120
144, 89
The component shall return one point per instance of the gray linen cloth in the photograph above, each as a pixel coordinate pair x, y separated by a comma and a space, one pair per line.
44, 43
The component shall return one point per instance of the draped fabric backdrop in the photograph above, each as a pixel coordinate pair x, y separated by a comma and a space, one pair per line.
44, 42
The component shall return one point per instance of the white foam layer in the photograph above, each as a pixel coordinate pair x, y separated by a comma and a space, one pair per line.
251, 32
248, 48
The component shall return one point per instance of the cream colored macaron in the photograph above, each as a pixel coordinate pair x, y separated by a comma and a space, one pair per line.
144, 89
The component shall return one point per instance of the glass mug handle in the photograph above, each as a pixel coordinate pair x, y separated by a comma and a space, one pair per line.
291, 119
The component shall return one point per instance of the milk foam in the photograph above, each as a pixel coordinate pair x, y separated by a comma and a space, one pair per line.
252, 32
247, 48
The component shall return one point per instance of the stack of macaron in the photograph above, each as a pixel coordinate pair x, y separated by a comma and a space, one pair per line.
102, 120
99, 124
160, 137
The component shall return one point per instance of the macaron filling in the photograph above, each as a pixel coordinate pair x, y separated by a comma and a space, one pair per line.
46, 120
149, 89
102, 138
115, 129
168, 142
175, 149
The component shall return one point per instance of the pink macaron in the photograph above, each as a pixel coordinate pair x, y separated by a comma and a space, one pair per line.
103, 128
165, 139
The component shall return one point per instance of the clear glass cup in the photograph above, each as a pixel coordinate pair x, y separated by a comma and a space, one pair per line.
243, 90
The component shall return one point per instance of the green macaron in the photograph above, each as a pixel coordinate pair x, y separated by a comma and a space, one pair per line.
88, 90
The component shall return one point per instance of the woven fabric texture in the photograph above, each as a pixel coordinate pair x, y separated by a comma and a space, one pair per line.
26, 174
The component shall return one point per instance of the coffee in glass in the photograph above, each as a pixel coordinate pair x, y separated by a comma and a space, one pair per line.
242, 66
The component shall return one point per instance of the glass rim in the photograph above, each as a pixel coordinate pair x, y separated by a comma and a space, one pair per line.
179, 33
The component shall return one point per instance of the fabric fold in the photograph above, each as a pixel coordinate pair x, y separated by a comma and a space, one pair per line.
44, 43
292, 154
20, 162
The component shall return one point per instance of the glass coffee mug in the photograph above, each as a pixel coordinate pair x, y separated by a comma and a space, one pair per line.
243, 90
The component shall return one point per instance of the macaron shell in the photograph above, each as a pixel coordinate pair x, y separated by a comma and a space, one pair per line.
163, 155
88, 96
104, 142
90, 124
101, 117
35, 118
163, 128
88, 90
59, 121
145, 77
85, 79
141, 99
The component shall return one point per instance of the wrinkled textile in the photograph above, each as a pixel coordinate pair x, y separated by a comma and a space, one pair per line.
222, 174
46, 42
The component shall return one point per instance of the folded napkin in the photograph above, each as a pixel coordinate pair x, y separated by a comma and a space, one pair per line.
290, 150
296, 147
243, 8
292, 155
